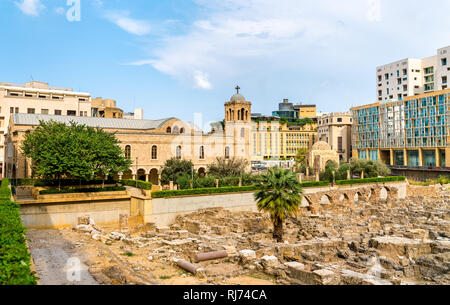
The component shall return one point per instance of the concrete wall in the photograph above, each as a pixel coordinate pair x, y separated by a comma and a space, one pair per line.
65, 214
165, 210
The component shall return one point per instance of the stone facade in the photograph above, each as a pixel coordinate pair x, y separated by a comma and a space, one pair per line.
320, 154
149, 144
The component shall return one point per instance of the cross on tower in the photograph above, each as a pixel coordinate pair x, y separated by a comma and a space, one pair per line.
237, 89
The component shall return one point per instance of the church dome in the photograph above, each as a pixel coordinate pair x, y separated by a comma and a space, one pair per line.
237, 98
321, 146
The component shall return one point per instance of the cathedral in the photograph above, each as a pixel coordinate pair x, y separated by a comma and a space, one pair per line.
148, 143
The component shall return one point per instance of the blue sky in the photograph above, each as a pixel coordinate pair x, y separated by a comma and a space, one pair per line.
179, 57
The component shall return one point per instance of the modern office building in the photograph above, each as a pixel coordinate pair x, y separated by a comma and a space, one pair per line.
411, 134
293, 112
336, 130
38, 98
411, 76
276, 141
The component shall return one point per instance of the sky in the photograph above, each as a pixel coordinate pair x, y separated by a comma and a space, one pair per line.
175, 58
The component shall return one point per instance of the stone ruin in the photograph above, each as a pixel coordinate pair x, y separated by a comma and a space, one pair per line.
371, 242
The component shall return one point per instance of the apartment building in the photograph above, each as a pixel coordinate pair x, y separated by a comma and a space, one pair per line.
408, 77
409, 134
336, 130
38, 98
105, 108
293, 112
272, 140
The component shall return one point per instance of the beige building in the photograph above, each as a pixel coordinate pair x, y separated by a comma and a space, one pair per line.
319, 154
272, 140
38, 98
105, 109
411, 76
336, 130
148, 143
306, 111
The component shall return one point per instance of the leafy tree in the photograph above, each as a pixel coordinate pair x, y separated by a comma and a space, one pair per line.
175, 168
371, 169
74, 151
223, 167
280, 196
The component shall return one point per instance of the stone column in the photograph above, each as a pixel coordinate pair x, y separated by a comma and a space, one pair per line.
120, 177
240, 182
349, 176
362, 175
317, 177
300, 178
438, 158
405, 157
159, 179
171, 185
307, 171
420, 157
392, 162
134, 177
147, 177
217, 182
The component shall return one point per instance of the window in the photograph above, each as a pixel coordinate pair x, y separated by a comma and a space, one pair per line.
242, 132
202, 153
339, 120
379, 78
42, 96
94, 112
340, 147
58, 112
444, 79
178, 153
181, 130
11, 110
82, 100
175, 130
154, 152
227, 152
444, 61
71, 113
31, 110
169, 130
44, 111
386, 76
128, 152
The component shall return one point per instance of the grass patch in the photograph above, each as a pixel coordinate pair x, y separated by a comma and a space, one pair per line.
166, 277
129, 254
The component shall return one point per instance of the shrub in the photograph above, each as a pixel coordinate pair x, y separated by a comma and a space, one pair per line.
371, 169
222, 167
370, 180
86, 190
70, 182
315, 183
174, 168
140, 184
204, 191
5, 192
443, 180
15, 259
21, 182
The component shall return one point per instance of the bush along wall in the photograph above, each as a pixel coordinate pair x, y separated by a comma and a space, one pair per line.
371, 180
15, 259
86, 190
204, 191
140, 184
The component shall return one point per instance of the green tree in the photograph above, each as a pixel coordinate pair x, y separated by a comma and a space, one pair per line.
372, 169
73, 151
300, 160
223, 167
175, 168
280, 196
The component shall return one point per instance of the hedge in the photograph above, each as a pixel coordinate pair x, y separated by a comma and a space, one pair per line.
15, 259
370, 180
71, 182
5, 192
315, 183
140, 184
86, 190
204, 191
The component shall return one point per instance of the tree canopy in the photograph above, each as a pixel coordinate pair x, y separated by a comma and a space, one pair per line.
222, 167
175, 168
74, 151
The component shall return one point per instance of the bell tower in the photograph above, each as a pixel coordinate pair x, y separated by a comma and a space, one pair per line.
238, 123
238, 110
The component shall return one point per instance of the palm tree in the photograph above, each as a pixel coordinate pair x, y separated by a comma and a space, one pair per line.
280, 196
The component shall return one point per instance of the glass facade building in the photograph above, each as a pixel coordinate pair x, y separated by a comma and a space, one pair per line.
413, 132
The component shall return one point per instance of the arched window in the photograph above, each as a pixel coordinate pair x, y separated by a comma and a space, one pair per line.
227, 152
202, 153
178, 154
246, 115
128, 152
181, 130
242, 132
242, 113
154, 152
176, 130
169, 130
239, 115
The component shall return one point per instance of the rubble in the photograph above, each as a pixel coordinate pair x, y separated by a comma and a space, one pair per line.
390, 242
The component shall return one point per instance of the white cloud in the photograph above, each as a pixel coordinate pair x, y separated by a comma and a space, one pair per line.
132, 26
60, 11
30, 7
202, 80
